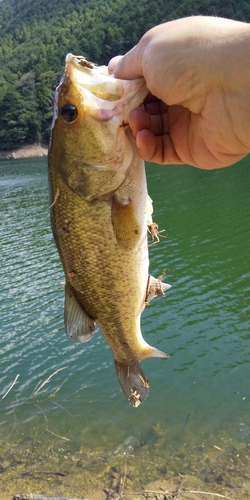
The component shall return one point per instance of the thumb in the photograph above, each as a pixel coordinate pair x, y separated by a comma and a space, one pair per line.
113, 64
127, 67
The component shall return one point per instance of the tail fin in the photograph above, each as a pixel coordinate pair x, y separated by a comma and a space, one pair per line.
133, 381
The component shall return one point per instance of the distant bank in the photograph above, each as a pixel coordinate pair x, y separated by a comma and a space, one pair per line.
26, 151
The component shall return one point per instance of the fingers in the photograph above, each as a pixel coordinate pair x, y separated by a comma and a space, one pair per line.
146, 144
138, 120
151, 132
152, 116
156, 149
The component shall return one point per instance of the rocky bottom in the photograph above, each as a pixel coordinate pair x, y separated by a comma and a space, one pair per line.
51, 468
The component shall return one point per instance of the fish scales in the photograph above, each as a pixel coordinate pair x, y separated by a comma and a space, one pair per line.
100, 212
98, 267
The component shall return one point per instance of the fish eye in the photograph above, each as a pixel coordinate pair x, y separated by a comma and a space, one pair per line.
69, 112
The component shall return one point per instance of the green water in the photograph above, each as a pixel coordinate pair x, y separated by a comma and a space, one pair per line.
196, 419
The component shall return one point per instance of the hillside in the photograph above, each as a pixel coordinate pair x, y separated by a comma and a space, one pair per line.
35, 36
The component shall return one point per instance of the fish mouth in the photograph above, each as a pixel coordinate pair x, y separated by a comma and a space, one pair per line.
122, 95
94, 78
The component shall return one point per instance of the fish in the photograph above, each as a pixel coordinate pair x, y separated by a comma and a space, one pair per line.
100, 214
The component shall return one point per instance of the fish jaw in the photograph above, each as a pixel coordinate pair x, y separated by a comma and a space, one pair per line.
118, 96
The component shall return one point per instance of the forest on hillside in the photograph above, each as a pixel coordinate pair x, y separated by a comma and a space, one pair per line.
35, 36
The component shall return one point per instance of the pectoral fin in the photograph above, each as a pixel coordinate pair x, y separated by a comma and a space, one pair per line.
133, 381
79, 326
126, 226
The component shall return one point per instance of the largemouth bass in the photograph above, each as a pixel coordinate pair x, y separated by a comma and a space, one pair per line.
100, 213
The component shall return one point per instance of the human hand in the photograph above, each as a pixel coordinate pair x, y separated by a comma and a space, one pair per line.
198, 109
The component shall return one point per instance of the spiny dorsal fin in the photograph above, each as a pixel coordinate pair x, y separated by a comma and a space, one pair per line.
79, 326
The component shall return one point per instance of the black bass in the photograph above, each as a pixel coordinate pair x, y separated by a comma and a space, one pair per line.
100, 213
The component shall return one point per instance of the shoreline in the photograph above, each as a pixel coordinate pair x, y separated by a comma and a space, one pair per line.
26, 151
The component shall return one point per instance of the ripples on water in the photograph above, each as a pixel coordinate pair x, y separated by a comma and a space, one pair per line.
206, 216
203, 323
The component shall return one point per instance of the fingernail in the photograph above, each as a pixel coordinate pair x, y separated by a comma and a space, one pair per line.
138, 140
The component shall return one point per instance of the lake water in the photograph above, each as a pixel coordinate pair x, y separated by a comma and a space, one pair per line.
65, 426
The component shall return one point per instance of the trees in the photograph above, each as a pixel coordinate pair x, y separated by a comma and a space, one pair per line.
35, 36
12, 132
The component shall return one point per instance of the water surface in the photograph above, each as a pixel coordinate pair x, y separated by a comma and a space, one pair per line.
66, 412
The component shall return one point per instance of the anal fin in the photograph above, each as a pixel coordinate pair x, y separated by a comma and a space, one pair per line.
133, 381
78, 325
